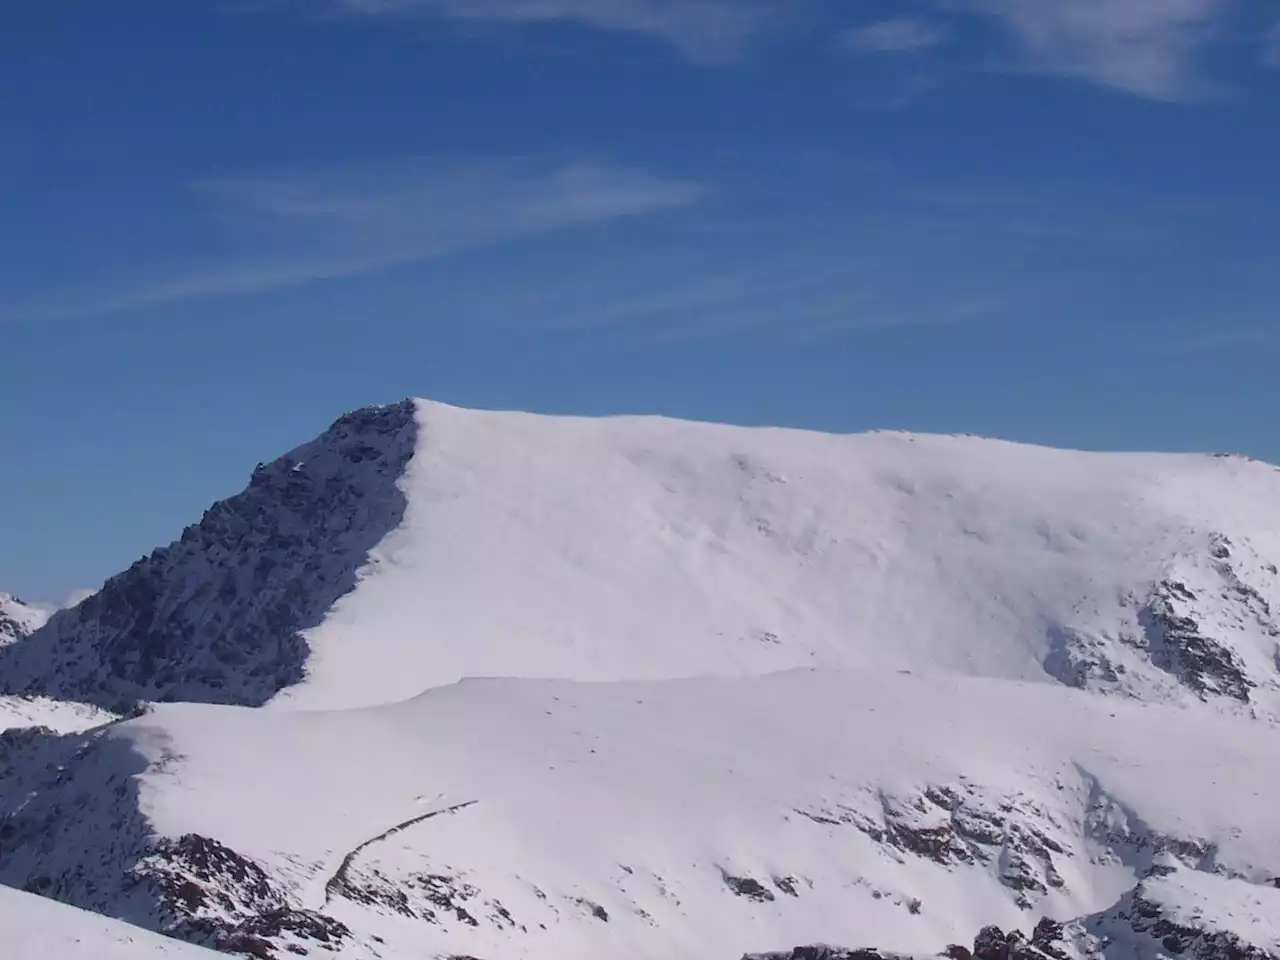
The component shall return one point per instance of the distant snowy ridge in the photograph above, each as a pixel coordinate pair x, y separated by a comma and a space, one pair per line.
18, 619
413, 545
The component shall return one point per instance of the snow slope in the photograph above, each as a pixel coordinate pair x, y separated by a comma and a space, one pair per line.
694, 818
414, 545
632, 548
33, 928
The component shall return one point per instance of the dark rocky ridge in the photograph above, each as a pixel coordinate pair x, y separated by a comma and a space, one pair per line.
950, 824
1146, 917
1052, 940
217, 616
1047, 942
1188, 626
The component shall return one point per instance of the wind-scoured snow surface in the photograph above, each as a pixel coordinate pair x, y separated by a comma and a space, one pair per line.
751, 689
33, 928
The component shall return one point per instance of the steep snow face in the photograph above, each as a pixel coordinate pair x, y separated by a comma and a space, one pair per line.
217, 616
18, 619
694, 818
32, 928
414, 545
645, 548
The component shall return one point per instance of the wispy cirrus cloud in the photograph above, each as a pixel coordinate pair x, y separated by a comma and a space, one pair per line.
709, 30
1216, 337
1271, 47
1143, 47
284, 231
899, 35
1148, 48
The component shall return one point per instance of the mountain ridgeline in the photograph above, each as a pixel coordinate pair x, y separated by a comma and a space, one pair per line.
218, 615
638, 688
415, 544
18, 619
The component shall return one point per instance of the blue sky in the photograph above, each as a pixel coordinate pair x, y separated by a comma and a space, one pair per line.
226, 221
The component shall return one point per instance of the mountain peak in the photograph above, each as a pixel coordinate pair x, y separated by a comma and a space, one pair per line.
416, 543
749, 688
218, 614
18, 618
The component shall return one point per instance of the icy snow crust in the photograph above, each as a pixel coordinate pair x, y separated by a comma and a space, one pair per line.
751, 689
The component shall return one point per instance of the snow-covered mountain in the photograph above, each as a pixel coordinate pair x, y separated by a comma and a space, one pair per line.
413, 545
752, 689
18, 619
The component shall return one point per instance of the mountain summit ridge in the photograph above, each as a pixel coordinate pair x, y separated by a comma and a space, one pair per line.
414, 544
19, 619
751, 687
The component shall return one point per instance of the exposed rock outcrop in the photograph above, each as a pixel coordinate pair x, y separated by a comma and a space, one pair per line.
218, 615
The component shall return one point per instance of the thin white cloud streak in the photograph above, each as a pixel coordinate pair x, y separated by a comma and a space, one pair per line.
1271, 47
708, 30
1144, 47
1223, 339
1147, 48
798, 302
900, 35
295, 230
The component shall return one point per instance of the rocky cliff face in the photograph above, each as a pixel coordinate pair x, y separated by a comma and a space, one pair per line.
218, 616
1142, 930
1205, 627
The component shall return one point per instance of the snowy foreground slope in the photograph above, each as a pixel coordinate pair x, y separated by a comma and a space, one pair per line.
33, 928
694, 818
417, 544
